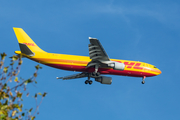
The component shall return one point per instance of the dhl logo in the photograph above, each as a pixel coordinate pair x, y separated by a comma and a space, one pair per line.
133, 65
30, 44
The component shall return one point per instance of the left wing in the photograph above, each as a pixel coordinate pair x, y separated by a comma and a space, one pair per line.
80, 75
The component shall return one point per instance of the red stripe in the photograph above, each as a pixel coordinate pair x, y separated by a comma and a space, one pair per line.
102, 70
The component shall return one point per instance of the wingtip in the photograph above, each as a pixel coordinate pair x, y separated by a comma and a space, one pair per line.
15, 27
92, 38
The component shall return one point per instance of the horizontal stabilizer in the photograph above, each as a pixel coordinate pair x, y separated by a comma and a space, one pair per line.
25, 49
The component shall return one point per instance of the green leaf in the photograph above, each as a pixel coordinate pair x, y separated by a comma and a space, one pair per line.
27, 81
44, 94
38, 67
20, 110
6, 103
14, 113
4, 107
20, 62
5, 86
39, 93
10, 93
33, 117
30, 110
21, 105
12, 63
35, 74
14, 58
16, 79
19, 94
5, 70
3, 55
15, 105
23, 114
14, 98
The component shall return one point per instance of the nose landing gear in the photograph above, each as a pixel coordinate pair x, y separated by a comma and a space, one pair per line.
143, 80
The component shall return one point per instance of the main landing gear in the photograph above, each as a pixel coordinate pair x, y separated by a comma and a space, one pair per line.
88, 81
143, 80
93, 75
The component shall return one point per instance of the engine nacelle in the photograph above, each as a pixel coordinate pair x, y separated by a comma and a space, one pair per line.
104, 80
117, 66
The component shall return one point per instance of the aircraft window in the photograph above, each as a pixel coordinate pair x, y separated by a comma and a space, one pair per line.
155, 67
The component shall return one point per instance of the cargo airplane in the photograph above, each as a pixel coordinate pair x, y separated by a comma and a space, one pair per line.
94, 66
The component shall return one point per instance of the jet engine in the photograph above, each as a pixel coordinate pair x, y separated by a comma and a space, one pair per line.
117, 66
104, 80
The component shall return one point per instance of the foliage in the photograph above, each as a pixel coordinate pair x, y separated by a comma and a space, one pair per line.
12, 90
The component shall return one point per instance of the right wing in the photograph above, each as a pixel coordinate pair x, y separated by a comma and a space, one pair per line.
97, 53
96, 50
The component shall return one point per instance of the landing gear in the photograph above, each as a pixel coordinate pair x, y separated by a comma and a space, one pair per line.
88, 81
143, 80
95, 74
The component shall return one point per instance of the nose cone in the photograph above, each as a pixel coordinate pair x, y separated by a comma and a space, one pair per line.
159, 72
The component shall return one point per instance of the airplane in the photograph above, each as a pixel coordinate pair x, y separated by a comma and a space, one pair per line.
97, 64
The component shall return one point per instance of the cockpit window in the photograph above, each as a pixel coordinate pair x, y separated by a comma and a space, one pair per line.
155, 67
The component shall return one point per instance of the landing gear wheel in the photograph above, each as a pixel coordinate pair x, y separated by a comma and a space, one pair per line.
143, 79
95, 74
143, 82
87, 81
90, 82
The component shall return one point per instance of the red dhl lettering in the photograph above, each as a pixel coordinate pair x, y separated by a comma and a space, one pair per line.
137, 66
131, 64
30, 44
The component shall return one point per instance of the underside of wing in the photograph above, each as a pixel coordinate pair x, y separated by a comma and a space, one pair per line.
80, 75
99, 57
96, 50
97, 53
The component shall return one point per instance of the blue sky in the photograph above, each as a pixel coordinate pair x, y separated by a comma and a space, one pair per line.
141, 30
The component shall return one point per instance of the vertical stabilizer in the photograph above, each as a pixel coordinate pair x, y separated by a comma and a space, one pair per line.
26, 44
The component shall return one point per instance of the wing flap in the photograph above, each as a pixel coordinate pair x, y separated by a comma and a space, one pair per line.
96, 51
